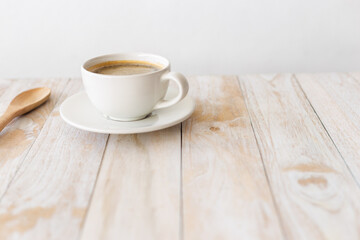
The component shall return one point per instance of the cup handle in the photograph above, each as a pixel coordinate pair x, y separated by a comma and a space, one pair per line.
182, 84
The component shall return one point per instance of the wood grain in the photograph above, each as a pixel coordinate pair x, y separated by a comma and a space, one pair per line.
355, 75
17, 138
225, 191
336, 100
315, 193
50, 192
138, 190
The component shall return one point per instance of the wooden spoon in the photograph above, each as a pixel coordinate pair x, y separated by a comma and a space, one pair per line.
23, 103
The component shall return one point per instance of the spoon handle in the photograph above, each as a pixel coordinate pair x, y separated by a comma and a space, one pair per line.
5, 119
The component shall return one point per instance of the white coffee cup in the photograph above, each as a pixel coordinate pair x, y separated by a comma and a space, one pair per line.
131, 97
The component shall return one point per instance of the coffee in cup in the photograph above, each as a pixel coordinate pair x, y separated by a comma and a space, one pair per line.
124, 67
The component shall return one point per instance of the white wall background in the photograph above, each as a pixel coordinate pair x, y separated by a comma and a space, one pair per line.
45, 38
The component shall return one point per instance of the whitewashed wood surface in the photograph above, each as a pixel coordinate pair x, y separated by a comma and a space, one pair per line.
262, 157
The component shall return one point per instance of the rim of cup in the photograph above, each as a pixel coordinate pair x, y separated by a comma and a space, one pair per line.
165, 63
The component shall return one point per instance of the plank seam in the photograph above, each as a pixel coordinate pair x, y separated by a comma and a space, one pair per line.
94, 188
327, 132
353, 77
181, 209
263, 163
32, 144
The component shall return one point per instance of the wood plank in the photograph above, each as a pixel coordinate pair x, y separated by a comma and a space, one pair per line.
137, 193
355, 75
225, 191
336, 100
50, 193
17, 138
315, 193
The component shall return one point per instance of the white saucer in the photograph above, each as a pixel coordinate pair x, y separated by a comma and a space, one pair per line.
80, 113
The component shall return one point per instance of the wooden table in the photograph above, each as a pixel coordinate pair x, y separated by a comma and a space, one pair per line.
262, 157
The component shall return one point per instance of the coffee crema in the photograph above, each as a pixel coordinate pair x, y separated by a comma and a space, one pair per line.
124, 67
